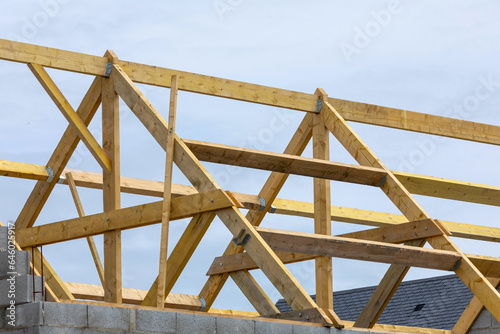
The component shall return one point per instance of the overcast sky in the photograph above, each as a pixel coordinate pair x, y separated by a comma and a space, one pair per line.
425, 56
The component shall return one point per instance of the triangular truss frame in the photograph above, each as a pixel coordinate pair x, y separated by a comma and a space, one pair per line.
252, 247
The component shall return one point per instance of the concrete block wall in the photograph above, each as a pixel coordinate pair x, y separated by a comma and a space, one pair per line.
48, 317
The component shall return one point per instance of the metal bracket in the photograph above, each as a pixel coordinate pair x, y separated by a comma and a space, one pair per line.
51, 174
272, 209
381, 182
456, 265
61, 180
203, 304
262, 204
319, 106
108, 70
241, 240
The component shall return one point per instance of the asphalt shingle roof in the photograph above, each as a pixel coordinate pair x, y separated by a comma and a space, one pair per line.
441, 301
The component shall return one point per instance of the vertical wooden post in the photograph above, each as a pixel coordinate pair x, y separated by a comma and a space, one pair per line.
165, 214
322, 210
111, 187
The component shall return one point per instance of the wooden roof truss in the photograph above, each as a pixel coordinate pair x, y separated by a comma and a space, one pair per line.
398, 240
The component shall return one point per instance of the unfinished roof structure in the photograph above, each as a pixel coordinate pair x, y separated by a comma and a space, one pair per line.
398, 239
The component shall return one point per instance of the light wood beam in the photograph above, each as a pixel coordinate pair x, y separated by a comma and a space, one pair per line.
251, 202
60, 158
81, 213
285, 163
254, 293
320, 245
111, 187
415, 183
133, 296
71, 116
135, 216
322, 216
242, 261
167, 195
158, 76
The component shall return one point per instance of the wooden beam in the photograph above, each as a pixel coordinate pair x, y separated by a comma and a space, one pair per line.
381, 219
322, 214
167, 195
320, 245
350, 110
59, 158
136, 216
398, 233
472, 312
81, 213
285, 163
449, 189
181, 254
268, 193
133, 296
254, 293
199, 177
70, 115
414, 183
111, 187
242, 261
251, 202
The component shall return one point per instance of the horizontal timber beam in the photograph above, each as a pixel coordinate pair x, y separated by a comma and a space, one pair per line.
488, 265
136, 216
286, 163
202, 84
282, 206
133, 296
415, 183
374, 251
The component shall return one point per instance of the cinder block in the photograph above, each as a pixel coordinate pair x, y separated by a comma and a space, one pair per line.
483, 321
307, 329
188, 323
53, 330
71, 315
272, 327
155, 321
235, 325
3, 237
20, 289
27, 315
18, 263
106, 317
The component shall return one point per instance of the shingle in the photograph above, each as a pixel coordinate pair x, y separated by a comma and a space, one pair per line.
444, 299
